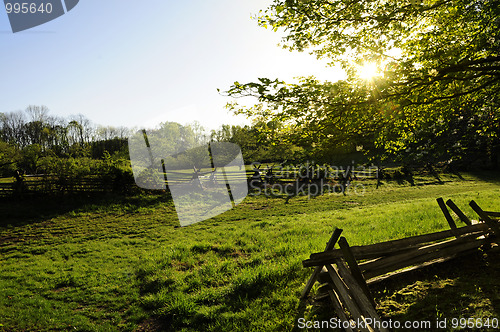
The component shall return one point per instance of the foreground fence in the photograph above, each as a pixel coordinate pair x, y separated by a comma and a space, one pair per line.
346, 273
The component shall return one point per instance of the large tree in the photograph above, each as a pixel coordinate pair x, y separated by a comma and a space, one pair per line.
439, 64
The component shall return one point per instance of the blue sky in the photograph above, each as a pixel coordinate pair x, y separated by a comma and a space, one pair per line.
127, 63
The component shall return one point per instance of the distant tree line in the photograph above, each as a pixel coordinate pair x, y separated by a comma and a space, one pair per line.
34, 126
29, 138
33, 142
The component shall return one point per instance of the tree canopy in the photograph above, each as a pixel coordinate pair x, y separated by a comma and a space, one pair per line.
436, 96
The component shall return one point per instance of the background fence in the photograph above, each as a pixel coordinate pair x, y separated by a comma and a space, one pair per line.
52, 184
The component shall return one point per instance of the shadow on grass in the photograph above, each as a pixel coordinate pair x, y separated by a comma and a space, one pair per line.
487, 176
17, 212
175, 309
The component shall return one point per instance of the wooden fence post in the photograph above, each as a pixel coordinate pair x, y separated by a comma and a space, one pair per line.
491, 223
448, 217
346, 297
458, 212
329, 246
354, 268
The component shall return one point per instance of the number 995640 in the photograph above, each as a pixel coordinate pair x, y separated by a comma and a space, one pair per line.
28, 8
474, 323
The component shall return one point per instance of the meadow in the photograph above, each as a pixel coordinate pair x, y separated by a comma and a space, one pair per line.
122, 263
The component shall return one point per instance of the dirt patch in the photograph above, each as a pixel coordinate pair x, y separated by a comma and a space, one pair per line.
153, 324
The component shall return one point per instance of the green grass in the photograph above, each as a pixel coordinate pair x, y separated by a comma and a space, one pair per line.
114, 263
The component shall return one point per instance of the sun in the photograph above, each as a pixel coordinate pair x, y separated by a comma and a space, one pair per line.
368, 71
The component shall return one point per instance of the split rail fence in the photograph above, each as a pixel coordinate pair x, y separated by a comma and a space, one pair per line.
51, 184
345, 273
48, 185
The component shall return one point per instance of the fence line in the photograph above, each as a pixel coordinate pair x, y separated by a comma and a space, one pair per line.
49, 185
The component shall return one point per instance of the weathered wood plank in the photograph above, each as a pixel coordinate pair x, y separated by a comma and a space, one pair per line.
456, 249
458, 212
354, 268
423, 250
484, 216
448, 217
409, 269
337, 307
345, 297
390, 247
364, 302
329, 246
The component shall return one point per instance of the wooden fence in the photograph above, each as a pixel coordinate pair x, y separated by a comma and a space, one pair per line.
49, 185
346, 273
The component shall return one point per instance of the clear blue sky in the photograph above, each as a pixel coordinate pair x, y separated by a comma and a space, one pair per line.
126, 63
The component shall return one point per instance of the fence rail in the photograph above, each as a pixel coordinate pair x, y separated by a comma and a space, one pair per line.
48, 185
346, 273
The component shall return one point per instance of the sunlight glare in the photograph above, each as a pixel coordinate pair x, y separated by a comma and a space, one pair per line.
368, 71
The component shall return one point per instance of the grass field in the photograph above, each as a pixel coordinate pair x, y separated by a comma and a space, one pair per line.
116, 263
